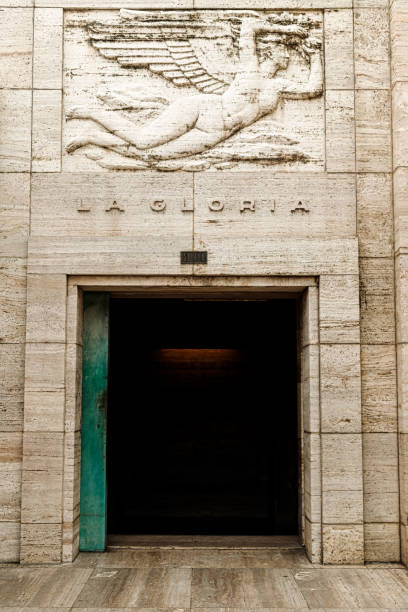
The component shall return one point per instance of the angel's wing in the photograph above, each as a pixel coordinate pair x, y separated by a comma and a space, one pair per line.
143, 39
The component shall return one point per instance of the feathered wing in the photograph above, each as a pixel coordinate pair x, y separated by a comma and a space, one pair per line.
161, 45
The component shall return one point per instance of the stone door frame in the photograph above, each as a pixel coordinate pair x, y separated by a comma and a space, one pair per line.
330, 390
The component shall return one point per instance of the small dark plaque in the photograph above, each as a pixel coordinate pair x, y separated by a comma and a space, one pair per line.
194, 257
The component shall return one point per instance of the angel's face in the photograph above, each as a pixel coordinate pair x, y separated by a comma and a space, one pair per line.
277, 59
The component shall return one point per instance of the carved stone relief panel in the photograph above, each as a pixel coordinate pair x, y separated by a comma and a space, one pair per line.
195, 90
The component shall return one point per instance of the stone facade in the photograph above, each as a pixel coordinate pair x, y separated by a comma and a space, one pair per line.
295, 180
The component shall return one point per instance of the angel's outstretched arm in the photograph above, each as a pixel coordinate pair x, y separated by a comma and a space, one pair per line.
313, 87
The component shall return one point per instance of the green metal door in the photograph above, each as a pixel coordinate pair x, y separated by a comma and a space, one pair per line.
92, 533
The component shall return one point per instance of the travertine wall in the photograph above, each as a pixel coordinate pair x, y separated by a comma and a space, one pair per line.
346, 185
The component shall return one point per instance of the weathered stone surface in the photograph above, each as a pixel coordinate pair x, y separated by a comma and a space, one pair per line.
309, 324
9, 542
402, 362
118, 205
44, 410
72, 470
374, 215
11, 454
15, 127
339, 67
380, 461
342, 507
372, 52
340, 388
382, 542
313, 541
379, 388
11, 387
401, 275
46, 145
401, 208
14, 214
45, 367
400, 123
399, 41
74, 314
377, 300
312, 459
341, 462
46, 307
16, 39
310, 388
339, 309
47, 70
42, 477
73, 394
373, 131
12, 300
343, 544
40, 543
340, 131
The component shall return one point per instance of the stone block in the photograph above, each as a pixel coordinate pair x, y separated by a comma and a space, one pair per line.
10, 542
342, 462
312, 506
16, 42
72, 476
17, 3
403, 477
401, 278
45, 367
15, 127
382, 542
14, 214
41, 543
371, 3
339, 58
374, 215
313, 541
46, 307
400, 123
309, 317
119, 4
379, 388
272, 4
11, 453
11, 387
402, 378
339, 309
70, 541
74, 314
340, 132
399, 41
42, 477
404, 544
73, 393
373, 131
343, 544
44, 410
377, 300
120, 205
46, 145
47, 70
310, 381
312, 465
380, 472
401, 208
161, 255
342, 507
12, 300
340, 388
371, 48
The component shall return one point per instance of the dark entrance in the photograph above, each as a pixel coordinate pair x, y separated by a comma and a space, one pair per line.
202, 417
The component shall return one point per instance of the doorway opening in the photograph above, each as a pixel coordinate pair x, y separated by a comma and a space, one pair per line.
202, 417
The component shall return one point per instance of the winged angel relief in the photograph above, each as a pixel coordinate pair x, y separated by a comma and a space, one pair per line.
193, 130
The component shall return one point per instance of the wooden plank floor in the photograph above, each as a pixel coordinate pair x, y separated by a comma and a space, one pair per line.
185, 578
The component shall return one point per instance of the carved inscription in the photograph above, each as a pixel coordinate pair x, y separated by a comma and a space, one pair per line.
198, 90
214, 206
